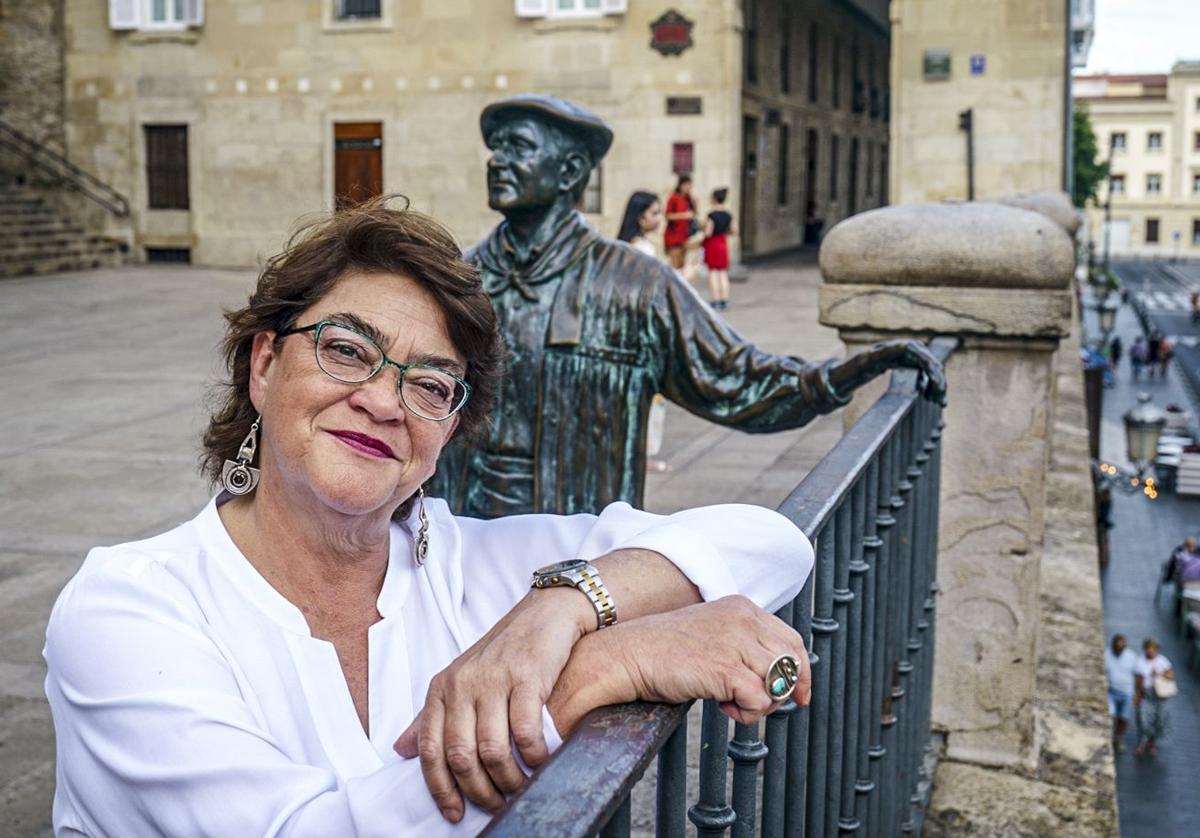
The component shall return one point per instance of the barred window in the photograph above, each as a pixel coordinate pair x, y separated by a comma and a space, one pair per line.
592, 201
167, 166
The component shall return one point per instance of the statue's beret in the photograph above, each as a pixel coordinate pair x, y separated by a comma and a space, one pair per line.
580, 122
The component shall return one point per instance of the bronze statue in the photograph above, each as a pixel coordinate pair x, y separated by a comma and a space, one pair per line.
594, 329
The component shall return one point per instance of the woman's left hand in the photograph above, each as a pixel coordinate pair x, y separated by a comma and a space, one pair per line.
492, 696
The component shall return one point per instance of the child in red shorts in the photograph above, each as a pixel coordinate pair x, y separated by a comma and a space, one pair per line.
718, 227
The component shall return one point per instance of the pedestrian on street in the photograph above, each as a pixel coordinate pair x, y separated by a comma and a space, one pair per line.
1166, 351
643, 216
1195, 306
1115, 350
1153, 346
1137, 357
1154, 684
1120, 662
681, 216
718, 227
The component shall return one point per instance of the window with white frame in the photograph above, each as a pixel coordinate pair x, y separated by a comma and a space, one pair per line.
592, 199
570, 8
1116, 184
155, 14
1196, 183
1154, 141
358, 9
1153, 184
1116, 141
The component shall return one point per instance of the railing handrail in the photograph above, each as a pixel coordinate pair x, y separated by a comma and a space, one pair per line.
556, 803
47, 160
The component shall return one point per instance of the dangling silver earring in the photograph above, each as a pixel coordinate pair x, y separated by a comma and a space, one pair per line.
421, 541
239, 477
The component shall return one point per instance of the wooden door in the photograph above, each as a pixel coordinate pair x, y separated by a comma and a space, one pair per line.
357, 162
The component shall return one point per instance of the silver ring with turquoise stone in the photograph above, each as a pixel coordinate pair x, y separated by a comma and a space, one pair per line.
782, 676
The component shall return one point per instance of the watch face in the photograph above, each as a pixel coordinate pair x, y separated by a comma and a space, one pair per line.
560, 567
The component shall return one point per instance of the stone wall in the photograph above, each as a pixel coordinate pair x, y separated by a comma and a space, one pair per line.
31, 69
1019, 97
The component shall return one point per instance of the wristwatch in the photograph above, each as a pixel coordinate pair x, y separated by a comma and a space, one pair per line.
582, 575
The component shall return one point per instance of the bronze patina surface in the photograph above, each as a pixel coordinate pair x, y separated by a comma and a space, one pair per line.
594, 329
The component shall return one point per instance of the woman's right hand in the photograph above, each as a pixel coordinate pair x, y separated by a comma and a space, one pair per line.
715, 650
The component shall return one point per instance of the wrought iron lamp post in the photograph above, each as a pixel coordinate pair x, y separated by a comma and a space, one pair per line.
1144, 424
1108, 314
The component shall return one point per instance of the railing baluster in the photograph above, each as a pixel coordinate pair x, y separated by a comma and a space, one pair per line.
823, 628
747, 751
775, 767
882, 664
868, 701
912, 613
837, 673
712, 814
618, 824
856, 570
798, 723
671, 793
892, 632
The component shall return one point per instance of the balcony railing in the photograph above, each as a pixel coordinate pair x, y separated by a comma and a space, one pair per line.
858, 758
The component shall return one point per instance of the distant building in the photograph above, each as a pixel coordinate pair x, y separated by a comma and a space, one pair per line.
223, 121
1002, 65
1149, 126
1083, 29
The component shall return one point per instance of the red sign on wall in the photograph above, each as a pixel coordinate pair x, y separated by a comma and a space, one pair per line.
683, 158
671, 33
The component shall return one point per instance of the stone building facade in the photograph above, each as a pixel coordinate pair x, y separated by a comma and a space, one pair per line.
31, 70
1007, 62
1148, 126
236, 110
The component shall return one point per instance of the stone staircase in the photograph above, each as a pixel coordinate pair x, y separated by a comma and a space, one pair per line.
37, 239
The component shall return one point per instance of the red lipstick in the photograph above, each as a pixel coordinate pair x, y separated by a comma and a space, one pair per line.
364, 443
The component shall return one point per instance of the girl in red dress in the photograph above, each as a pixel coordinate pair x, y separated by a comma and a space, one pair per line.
718, 227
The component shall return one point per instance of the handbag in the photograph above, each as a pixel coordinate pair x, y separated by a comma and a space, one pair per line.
1165, 688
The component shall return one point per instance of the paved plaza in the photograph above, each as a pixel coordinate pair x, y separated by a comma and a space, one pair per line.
103, 392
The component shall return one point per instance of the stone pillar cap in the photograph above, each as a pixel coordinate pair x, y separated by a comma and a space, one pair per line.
962, 244
1052, 203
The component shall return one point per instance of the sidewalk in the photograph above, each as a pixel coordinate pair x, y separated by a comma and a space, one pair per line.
1156, 796
104, 376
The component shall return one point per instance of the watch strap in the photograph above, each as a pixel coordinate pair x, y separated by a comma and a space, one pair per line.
596, 591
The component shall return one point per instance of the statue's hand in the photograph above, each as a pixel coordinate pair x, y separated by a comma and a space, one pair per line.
847, 376
913, 354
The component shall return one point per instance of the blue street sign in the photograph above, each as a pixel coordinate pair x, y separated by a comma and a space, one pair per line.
978, 64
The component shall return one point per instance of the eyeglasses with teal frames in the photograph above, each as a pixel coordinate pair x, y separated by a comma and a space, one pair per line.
347, 355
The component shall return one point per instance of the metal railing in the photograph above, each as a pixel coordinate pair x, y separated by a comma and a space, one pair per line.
857, 759
62, 170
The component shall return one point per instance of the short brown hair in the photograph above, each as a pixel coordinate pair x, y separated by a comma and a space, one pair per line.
371, 236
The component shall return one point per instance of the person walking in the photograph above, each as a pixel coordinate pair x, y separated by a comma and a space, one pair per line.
1115, 350
681, 215
1154, 684
1196, 306
1166, 351
1153, 345
718, 227
1119, 664
1137, 357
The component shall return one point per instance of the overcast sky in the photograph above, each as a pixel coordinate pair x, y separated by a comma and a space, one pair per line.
1144, 36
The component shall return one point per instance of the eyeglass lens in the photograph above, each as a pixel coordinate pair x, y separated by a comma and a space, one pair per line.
353, 358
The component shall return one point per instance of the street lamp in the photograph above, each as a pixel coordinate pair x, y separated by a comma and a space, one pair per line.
1108, 314
1143, 425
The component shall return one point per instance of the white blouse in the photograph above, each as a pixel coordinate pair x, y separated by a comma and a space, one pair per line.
190, 698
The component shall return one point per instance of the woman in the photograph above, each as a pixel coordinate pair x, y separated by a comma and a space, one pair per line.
276, 665
718, 227
643, 216
1153, 685
681, 214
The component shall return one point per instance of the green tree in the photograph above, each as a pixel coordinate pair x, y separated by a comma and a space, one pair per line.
1089, 172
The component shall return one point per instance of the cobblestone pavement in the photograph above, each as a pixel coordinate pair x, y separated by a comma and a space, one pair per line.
1156, 796
103, 377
